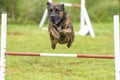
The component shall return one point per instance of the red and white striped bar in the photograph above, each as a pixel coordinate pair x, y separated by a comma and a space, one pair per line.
59, 55
68, 4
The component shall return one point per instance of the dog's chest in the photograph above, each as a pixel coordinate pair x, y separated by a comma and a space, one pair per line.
63, 39
60, 27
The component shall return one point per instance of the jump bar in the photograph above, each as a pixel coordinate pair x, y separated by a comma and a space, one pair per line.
59, 55
69, 4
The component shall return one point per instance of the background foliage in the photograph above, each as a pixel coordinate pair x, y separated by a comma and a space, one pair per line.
31, 11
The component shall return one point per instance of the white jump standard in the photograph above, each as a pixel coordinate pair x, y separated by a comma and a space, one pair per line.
117, 46
3, 45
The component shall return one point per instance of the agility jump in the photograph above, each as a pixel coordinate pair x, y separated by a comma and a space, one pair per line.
4, 53
59, 55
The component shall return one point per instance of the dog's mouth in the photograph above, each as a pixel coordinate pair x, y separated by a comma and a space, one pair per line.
54, 20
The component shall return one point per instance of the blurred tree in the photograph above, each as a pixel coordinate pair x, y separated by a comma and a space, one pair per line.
1, 5
12, 9
102, 11
31, 11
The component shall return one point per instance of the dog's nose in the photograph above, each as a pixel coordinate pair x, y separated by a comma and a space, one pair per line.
52, 16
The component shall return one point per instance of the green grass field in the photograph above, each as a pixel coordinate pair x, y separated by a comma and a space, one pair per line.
28, 38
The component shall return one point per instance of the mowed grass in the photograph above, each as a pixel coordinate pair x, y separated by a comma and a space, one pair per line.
28, 38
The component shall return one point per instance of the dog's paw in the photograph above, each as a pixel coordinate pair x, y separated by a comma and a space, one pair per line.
56, 35
53, 46
68, 45
61, 32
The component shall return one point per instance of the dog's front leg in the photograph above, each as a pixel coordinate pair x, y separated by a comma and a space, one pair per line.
66, 31
55, 34
53, 41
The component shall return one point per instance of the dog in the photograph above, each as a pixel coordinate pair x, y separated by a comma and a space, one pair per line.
60, 26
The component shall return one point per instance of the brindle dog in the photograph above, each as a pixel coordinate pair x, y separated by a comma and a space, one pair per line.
60, 26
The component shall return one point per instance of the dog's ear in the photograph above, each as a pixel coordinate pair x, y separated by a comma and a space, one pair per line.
63, 6
48, 3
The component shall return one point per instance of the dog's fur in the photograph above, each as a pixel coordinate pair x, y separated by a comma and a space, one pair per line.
60, 26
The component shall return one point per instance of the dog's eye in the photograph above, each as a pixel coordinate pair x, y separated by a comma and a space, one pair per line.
57, 10
50, 10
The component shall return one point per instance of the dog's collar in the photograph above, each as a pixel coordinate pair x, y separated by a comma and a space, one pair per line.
62, 19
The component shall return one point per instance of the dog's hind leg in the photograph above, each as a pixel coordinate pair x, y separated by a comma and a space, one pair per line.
53, 44
70, 40
69, 44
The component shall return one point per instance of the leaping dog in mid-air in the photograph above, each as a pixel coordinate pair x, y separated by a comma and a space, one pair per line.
60, 26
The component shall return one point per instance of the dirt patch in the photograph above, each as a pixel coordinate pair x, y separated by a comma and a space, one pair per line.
15, 33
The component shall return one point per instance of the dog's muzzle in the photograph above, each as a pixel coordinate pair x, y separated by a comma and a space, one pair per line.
54, 19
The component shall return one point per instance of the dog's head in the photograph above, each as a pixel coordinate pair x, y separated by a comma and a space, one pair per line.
55, 12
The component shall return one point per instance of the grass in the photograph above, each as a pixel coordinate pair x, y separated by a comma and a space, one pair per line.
28, 38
